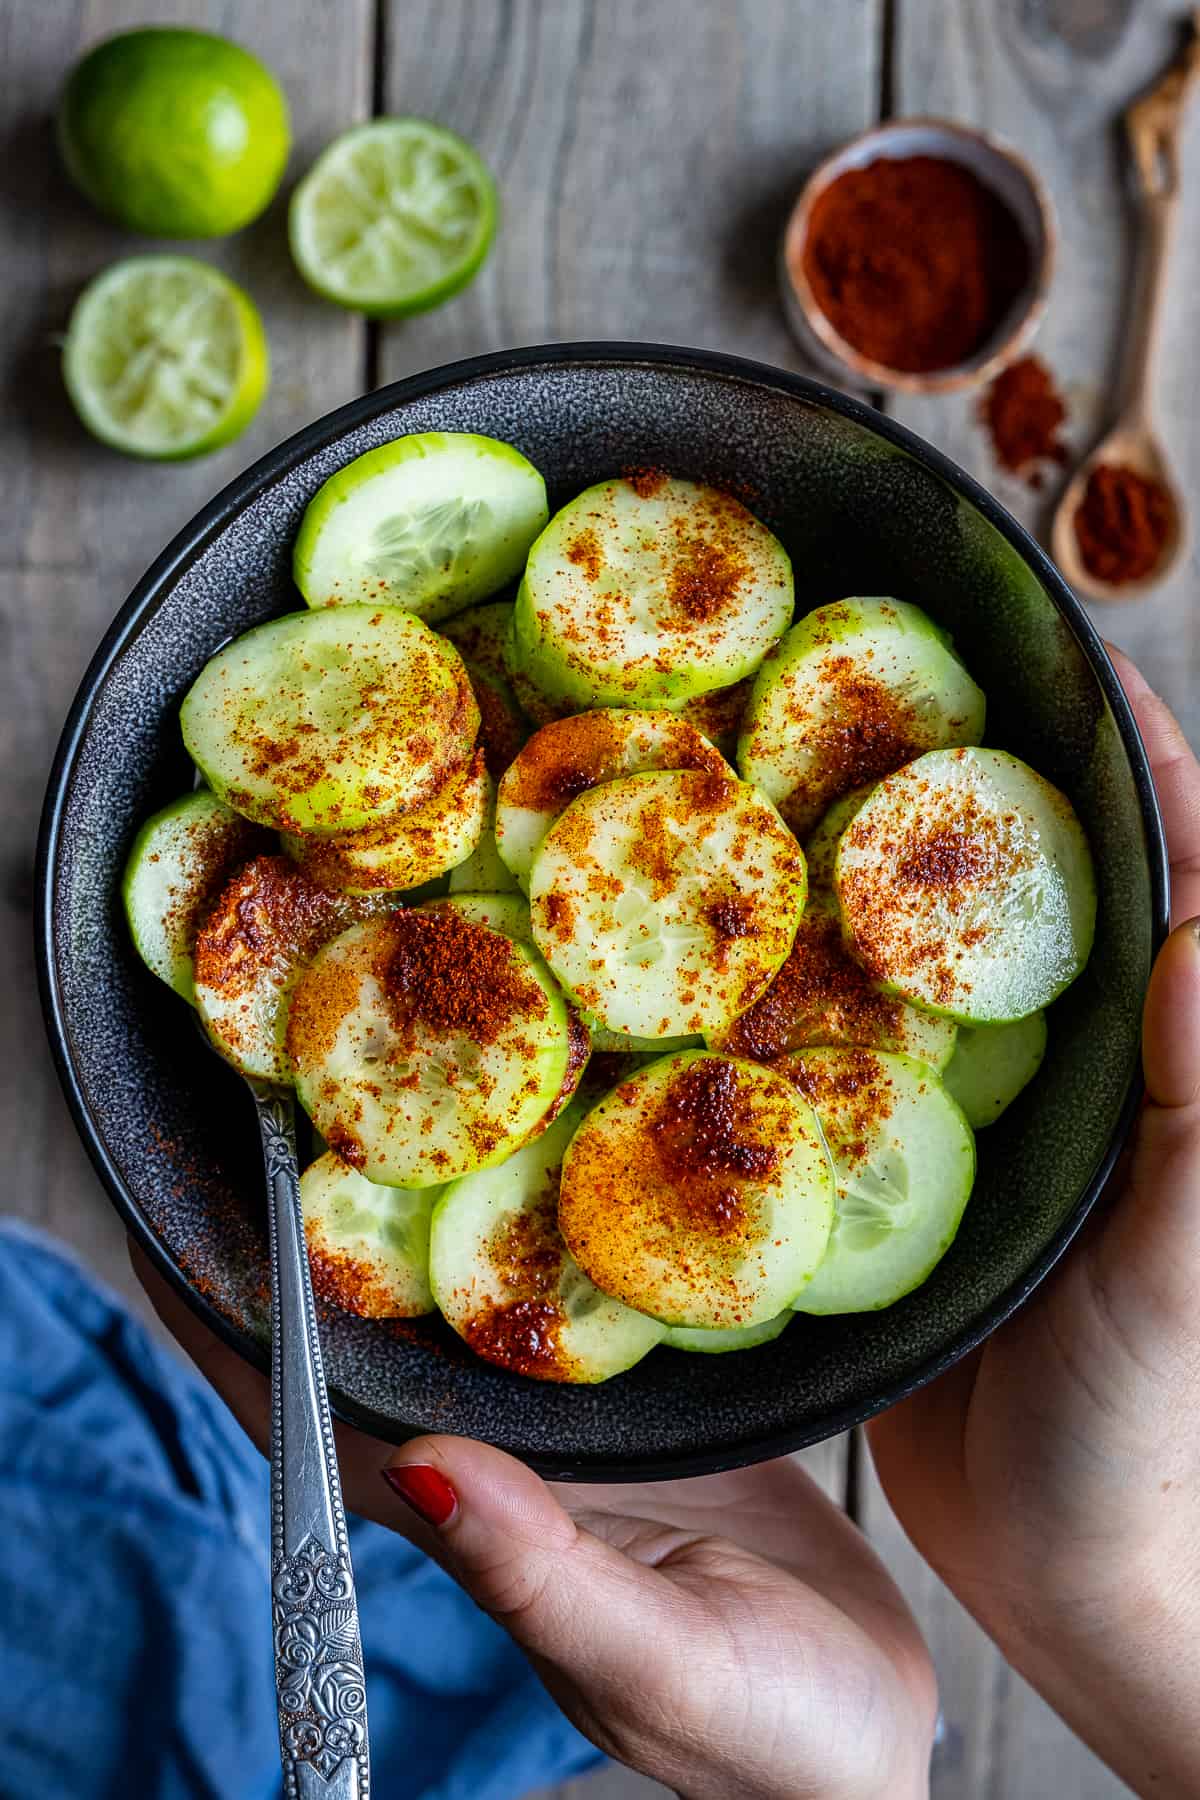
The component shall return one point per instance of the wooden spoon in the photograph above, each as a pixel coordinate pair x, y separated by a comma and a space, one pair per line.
1152, 125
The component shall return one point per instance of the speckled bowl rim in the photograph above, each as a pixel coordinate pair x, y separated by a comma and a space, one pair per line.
155, 585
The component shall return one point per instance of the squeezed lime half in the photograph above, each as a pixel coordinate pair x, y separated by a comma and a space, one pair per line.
165, 357
393, 218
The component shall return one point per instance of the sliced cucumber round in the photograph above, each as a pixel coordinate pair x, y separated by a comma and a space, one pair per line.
716, 1343
180, 860
426, 1046
506, 913
505, 1280
432, 522
623, 1043
483, 872
264, 925
644, 593
699, 1191
571, 756
533, 700
966, 884
855, 690
719, 715
665, 902
991, 1064
479, 635
820, 851
821, 995
408, 849
503, 727
328, 721
509, 915
904, 1163
368, 1246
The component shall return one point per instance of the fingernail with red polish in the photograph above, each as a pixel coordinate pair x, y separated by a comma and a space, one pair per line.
424, 1489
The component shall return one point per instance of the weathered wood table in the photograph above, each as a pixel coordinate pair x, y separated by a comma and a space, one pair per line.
646, 150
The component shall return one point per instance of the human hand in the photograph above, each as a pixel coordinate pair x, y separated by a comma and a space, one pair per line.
733, 1636
1053, 1478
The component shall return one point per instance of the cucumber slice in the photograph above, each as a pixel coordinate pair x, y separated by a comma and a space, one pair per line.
431, 522
506, 913
966, 885
405, 851
479, 635
854, 691
368, 1246
665, 902
426, 1046
326, 722
180, 860
647, 592
570, 756
821, 995
991, 1064
509, 915
622, 1043
506, 1282
716, 1343
699, 1192
820, 851
265, 924
483, 872
719, 715
533, 700
904, 1162
503, 727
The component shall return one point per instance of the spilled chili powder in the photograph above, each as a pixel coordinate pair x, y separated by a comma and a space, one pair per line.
1024, 414
914, 261
1122, 524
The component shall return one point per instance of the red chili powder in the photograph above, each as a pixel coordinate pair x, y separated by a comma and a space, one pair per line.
1024, 413
1122, 524
914, 261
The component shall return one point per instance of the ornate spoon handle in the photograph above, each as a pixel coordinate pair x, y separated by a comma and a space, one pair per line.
318, 1651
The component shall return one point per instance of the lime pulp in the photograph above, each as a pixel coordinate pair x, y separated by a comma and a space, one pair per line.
394, 217
165, 357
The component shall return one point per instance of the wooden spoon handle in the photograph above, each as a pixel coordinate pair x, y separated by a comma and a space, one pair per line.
1157, 232
1152, 125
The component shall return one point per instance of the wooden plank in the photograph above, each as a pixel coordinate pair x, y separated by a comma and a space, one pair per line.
636, 204
83, 522
1001, 1741
1053, 78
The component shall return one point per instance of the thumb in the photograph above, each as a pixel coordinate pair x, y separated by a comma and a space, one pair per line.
568, 1597
1171, 1032
1153, 1233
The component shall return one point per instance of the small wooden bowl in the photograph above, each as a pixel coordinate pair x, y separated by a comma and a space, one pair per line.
1002, 170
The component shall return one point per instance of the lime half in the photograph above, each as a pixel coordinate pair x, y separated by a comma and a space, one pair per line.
393, 218
165, 357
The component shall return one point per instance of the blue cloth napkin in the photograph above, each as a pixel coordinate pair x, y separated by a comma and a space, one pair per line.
135, 1631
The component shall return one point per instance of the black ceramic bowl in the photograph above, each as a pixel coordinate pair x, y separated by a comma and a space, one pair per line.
863, 507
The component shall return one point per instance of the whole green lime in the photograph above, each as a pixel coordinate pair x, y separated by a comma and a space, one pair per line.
174, 133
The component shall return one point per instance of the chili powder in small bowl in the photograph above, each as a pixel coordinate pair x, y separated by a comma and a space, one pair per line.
918, 257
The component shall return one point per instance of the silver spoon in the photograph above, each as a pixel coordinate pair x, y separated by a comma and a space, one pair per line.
319, 1682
